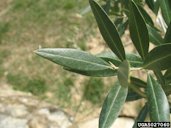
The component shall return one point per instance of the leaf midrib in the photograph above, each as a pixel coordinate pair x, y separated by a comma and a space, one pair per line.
70, 58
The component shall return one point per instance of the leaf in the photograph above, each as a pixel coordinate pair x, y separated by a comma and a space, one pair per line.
98, 73
109, 56
73, 59
159, 77
147, 18
166, 10
108, 30
138, 30
137, 82
123, 74
141, 116
167, 76
158, 103
167, 37
112, 105
133, 59
132, 96
159, 58
154, 36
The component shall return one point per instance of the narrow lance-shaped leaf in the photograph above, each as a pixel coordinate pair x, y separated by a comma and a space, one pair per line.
141, 116
166, 10
73, 59
112, 105
167, 37
123, 74
154, 36
138, 30
108, 30
159, 58
158, 103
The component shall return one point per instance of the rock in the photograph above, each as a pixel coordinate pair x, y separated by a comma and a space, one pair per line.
22, 110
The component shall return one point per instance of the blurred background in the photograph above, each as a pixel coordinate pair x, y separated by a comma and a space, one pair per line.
26, 25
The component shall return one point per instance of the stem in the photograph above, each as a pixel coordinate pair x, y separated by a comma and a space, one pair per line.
131, 69
137, 90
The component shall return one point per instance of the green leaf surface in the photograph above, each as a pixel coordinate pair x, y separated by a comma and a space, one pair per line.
141, 116
158, 103
138, 30
133, 59
123, 74
167, 37
112, 105
108, 30
146, 16
73, 59
166, 10
159, 58
98, 73
159, 77
154, 36
132, 96
137, 82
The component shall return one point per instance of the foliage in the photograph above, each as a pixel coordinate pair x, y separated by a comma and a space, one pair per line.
155, 63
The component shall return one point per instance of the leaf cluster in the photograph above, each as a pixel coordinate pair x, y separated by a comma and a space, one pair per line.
117, 62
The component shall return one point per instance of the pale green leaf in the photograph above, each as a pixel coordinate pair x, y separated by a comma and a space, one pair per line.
73, 59
112, 105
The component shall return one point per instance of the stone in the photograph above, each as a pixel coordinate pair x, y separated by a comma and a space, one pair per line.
22, 110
